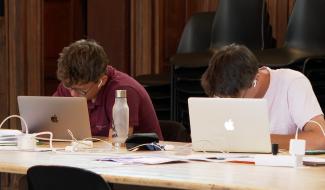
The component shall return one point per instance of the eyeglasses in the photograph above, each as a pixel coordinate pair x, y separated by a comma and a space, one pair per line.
84, 92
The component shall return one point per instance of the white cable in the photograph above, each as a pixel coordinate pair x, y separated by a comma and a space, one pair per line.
318, 124
71, 135
46, 133
85, 139
311, 121
17, 116
296, 136
151, 144
25, 139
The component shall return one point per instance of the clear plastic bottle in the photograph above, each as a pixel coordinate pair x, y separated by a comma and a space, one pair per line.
120, 122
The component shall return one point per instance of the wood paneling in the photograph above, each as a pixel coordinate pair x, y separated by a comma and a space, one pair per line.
142, 35
4, 95
23, 62
154, 41
63, 25
108, 23
139, 36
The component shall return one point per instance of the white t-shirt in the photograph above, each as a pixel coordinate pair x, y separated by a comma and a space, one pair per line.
291, 101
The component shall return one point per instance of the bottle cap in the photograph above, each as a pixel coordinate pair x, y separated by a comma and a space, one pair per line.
120, 94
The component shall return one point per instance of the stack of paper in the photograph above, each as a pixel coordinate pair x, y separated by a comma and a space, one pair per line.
8, 137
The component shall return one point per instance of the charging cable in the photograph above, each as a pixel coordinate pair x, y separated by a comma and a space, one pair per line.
150, 146
86, 143
16, 116
318, 124
27, 141
298, 146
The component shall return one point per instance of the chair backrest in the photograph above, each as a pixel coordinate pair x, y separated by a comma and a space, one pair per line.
174, 131
314, 69
196, 34
306, 28
239, 22
63, 177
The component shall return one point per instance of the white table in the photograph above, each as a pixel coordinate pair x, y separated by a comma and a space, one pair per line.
193, 175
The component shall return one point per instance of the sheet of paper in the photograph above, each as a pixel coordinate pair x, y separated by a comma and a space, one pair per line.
142, 159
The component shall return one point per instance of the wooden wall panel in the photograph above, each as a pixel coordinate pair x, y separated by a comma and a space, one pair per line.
24, 54
142, 36
155, 40
63, 25
108, 23
4, 94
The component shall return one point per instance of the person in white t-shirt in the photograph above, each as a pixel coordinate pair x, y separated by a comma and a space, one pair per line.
233, 72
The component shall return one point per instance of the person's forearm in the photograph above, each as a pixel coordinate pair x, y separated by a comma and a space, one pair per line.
312, 141
281, 140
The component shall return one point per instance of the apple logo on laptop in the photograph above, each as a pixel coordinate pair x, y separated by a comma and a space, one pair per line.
229, 125
54, 118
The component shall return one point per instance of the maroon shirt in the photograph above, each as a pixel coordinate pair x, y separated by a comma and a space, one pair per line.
142, 114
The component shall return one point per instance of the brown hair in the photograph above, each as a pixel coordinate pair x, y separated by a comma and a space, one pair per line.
231, 70
81, 62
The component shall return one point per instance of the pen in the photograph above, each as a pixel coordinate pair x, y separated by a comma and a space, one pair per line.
224, 158
241, 162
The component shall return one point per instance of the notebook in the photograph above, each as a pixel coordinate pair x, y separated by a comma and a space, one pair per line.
229, 125
56, 114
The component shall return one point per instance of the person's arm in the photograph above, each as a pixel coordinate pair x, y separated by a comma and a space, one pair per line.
311, 132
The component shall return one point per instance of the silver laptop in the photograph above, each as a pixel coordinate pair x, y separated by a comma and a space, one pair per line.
56, 114
229, 125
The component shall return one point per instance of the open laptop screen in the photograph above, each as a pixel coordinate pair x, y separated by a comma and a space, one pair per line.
56, 114
229, 125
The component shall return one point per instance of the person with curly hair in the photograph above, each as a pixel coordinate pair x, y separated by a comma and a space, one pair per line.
84, 71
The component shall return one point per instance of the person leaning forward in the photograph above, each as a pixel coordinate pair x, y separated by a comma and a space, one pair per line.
233, 72
84, 72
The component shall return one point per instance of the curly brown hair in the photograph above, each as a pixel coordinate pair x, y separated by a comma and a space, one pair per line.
231, 70
81, 62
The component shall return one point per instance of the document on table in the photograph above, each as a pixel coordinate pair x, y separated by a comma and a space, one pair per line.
8, 137
149, 159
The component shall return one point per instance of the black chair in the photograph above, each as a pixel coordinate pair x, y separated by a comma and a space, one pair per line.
158, 88
314, 69
304, 38
234, 22
63, 177
174, 131
239, 22
196, 36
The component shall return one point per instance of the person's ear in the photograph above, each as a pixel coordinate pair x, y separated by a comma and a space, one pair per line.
254, 83
102, 81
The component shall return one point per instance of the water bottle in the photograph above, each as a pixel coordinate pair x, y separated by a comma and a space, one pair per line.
120, 124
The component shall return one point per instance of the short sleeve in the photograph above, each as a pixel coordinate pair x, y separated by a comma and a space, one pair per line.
302, 102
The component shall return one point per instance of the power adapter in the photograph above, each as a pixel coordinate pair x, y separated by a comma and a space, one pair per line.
297, 147
26, 142
297, 150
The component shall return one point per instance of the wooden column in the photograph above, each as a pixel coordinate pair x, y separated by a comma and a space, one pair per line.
24, 51
142, 33
4, 94
279, 11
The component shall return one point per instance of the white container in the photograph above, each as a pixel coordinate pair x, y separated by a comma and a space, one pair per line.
120, 124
